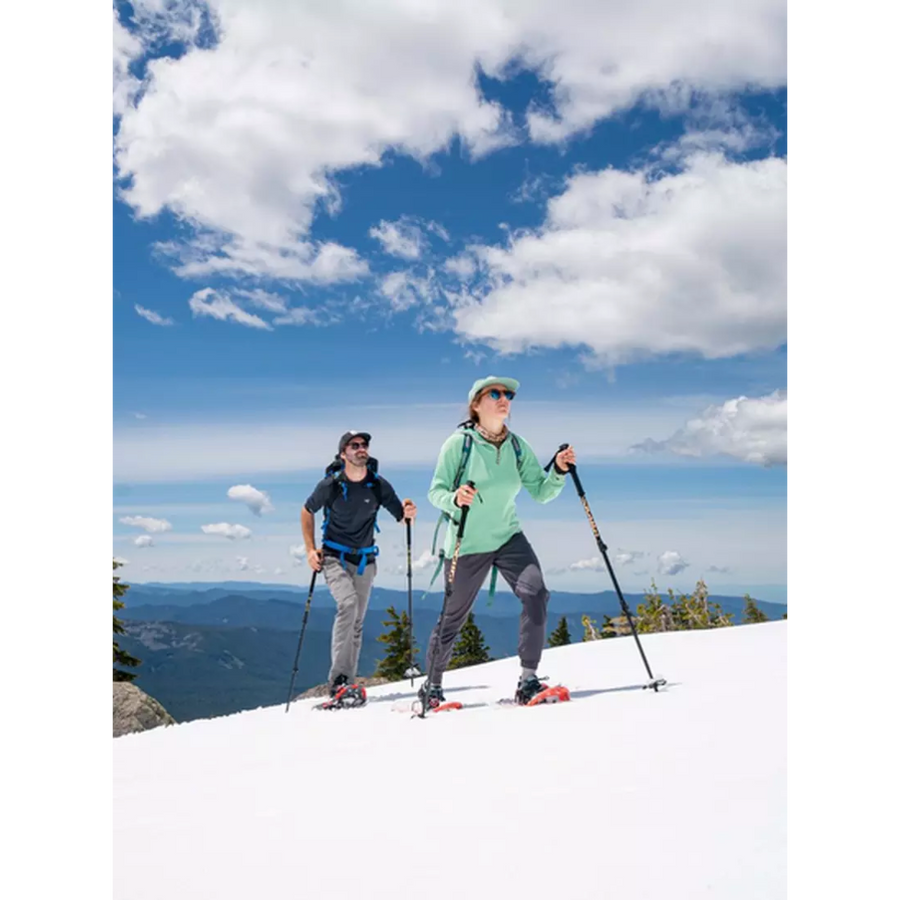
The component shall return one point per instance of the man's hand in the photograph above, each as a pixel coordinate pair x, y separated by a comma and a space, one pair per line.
314, 558
409, 510
465, 495
565, 458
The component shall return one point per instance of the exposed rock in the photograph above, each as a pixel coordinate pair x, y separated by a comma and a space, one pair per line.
133, 710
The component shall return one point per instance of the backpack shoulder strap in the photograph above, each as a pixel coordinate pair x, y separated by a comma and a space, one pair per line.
517, 447
463, 460
375, 483
457, 481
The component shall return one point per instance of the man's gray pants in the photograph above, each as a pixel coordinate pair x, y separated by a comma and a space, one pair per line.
351, 594
517, 563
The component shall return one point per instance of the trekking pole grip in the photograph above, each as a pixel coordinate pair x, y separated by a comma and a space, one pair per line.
573, 471
464, 516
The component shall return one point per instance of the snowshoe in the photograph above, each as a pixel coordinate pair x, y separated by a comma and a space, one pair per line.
532, 692
435, 696
347, 696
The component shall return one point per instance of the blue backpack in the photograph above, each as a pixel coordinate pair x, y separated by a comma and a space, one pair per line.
335, 471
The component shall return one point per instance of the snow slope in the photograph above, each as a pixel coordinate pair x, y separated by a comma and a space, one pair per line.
621, 793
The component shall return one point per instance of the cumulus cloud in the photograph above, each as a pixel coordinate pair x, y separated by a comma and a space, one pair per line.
242, 136
627, 557
593, 564
750, 429
671, 563
232, 532
243, 563
151, 525
143, 541
629, 265
258, 502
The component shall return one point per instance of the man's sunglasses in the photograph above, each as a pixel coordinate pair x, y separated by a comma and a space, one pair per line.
494, 394
358, 445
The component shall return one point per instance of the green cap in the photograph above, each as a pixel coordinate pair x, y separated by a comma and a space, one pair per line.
509, 383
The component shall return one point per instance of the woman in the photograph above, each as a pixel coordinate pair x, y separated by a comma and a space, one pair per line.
485, 451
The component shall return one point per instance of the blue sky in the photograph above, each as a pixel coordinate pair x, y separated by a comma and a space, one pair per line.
323, 223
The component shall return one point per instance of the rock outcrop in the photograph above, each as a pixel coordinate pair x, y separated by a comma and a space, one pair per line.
133, 710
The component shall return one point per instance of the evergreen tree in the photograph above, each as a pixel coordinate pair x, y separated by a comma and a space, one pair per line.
395, 663
695, 610
470, 648
752, 613
654, 614
560, 636
120, 657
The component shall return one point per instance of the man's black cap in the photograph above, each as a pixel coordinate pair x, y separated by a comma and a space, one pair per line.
348, 436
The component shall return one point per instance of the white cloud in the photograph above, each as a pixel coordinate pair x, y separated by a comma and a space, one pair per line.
305, 315
211, 254
593, 564
243, 563
426, 561
219, 305
258, 502
126, 49
263, 299
232, 532
406, 237
242, 139
151, 525
225, 304
139, 415
716, 123
153, 317
143, 541
725, 570
671, 563
402, 238
750, 429
403, 290
298, 554
462, 267
627, 557
629, 265
121, 560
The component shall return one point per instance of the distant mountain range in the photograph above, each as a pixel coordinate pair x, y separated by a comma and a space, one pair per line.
210, 650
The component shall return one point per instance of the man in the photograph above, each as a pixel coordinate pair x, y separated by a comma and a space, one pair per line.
350, 494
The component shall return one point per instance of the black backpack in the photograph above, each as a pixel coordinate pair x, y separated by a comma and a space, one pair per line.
335, 471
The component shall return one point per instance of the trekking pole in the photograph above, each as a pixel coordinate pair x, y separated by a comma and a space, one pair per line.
312, 585
412, 669
440, 623
654, 683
